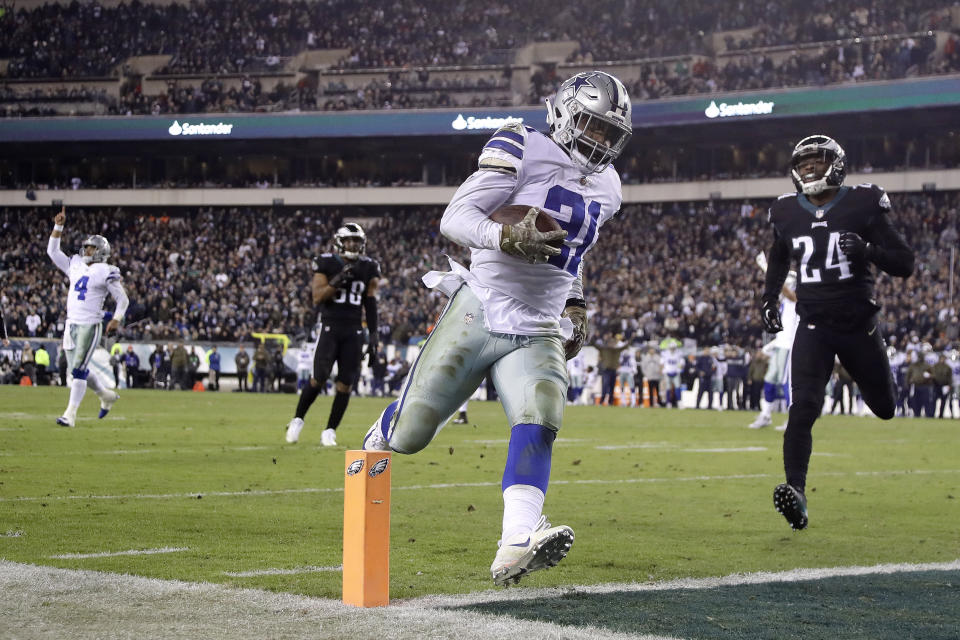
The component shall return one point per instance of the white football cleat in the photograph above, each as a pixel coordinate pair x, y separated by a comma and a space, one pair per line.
328, 438
66, 420
781, 427
523, 553
294, 429
761, 422
106, 401
374, 440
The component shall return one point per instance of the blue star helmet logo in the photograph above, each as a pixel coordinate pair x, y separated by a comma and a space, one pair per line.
581, 82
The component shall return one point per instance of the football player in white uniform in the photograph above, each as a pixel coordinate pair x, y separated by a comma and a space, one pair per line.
91, 278
519, 309
776, 382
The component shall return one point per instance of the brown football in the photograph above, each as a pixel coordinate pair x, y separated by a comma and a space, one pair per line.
514, 213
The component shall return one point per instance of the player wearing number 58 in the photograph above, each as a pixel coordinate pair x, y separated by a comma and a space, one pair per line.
837, 235
344, 286
91, 278
529, 214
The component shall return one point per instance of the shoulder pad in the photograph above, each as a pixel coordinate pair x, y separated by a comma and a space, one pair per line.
503, 152
883, 200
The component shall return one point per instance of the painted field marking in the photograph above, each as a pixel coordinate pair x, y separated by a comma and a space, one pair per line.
110, 554
255, 613
280, 572
124, 452
466, 485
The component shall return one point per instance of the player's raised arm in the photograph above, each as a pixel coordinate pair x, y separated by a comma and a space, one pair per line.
53, 244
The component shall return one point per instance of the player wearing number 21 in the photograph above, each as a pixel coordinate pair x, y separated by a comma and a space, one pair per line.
837, 235
91, 278
519, 310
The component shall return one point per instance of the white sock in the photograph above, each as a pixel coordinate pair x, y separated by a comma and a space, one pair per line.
94, 384
77, 388
522, 507
766, 409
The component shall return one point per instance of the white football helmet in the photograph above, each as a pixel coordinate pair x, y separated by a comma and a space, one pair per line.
823, 148
101, 249
353, 233
590, 117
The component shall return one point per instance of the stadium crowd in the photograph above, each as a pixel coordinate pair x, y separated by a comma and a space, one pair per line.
216, 38
221, 274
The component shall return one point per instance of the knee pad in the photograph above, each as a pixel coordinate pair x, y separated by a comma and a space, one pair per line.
415, 427
80, 374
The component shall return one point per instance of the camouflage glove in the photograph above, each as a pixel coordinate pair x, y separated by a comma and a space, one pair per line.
578, 316
522, 240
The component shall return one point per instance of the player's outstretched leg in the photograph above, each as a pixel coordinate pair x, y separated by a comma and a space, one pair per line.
78, 388
376, 438
295, 426
528, 542
107, 396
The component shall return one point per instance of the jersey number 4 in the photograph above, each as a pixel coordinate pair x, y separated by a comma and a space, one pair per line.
81, 287
834, 259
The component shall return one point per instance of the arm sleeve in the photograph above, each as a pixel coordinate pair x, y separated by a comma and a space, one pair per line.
370, 309
465, 220
576, 287
59, 258
778, 264
115, 287
888, 250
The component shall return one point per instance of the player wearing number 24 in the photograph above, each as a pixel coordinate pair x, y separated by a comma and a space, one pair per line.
837, 235
519, 309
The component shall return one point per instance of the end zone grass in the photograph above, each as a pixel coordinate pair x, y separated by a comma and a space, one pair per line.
651, 494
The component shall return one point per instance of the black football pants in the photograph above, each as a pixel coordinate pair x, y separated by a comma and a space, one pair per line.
862, 353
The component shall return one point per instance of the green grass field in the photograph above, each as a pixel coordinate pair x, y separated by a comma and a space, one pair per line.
653, 495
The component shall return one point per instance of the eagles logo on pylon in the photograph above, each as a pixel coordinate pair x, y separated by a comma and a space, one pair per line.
355, 467
379, 467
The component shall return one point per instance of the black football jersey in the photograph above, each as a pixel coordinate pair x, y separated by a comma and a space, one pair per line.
346, 306
808, 237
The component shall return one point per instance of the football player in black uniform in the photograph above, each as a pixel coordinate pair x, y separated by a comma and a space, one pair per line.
344, 282
836, 235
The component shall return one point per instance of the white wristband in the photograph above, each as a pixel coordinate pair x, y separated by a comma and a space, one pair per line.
58, 227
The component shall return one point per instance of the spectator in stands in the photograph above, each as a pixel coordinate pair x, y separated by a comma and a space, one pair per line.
131, 365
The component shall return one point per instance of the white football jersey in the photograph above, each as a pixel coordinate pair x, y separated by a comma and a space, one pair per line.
790, 322
305, 358
628, 362
672, 362
88, 290
519, 297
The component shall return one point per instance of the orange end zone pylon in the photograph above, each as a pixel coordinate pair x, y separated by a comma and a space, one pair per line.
366, 529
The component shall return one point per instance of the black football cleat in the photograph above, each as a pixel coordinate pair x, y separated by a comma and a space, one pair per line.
792, 505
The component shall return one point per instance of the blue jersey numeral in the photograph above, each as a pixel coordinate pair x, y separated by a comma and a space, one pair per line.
559, 197
81, 287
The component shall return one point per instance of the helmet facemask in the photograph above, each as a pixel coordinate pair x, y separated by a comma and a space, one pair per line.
590, 117
823, 149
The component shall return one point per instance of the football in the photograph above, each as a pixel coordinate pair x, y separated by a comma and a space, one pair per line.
514, 213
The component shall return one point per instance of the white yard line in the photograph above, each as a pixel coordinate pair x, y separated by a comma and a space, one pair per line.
464, 485
110, 554
52, 603
280, 572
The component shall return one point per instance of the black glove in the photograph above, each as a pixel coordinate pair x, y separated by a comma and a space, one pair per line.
852, 244
373, 345
344, 278
770, 316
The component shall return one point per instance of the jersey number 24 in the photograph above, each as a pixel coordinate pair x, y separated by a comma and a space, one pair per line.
835, 259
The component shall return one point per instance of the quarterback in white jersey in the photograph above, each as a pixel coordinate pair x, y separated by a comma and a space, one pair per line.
91, 278
519, 309
776, 381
